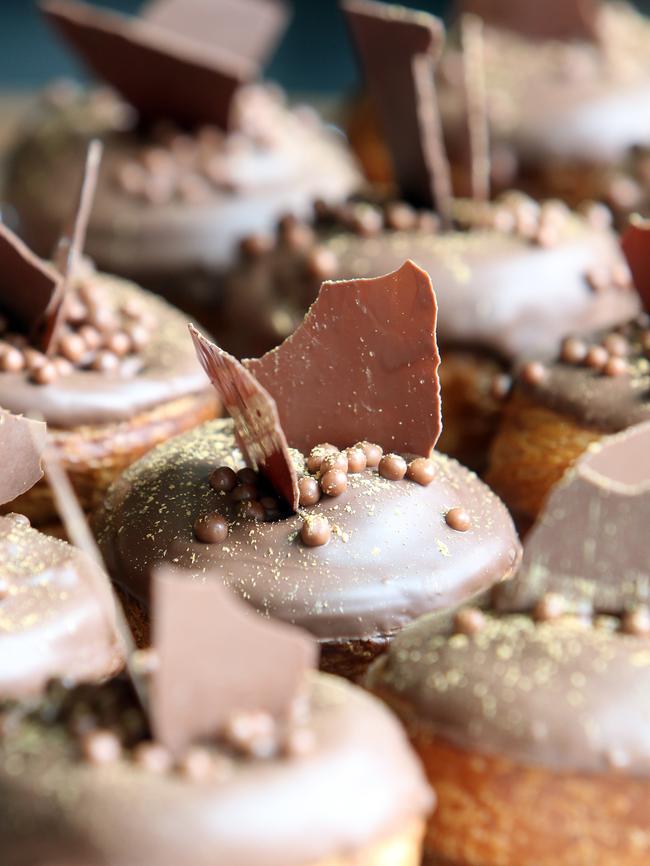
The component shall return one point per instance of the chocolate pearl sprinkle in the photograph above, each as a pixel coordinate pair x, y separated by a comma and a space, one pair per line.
533, 373
617, 345
211, 528
615, 367
315, 531
247, 476
321, 263
392, 467
458, 519
244, 492
551, 606
637, 622
254, 246
334, 482
90, 336
73, 347
253, 510
197, 764
373, 453
12, 360
574, 351
356, 460
44, 374
105, 362
596, 357
309, 490
152, 757
223, 479
421, 470
100, 747
20, 519
318, 454
469, 621
501, 386
118, 343
335, 460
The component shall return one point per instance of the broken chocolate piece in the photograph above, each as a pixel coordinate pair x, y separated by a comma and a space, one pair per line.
636, 247
22, 441
563, 20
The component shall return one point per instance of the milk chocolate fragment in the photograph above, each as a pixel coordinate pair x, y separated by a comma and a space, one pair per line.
559, 19
636, 246
218, 659
364, 363
259, 433
21, 445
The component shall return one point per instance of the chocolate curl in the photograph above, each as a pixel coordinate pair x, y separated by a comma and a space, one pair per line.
398, 49
247, 28
477, 111
362, 365
70, 246
636, 248
257, 425
78, 532
589, 544
22, 441
562, 20
161, 73
216, 658
28, 288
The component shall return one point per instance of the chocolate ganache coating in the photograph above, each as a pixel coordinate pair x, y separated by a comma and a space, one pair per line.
568, 694
170, 200
56, 612
600, 380
277, 811
162, 368
391, 556
512, 278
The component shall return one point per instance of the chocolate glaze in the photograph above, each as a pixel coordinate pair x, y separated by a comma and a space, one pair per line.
278, 812
391, 557
607, 404
497, 290
56, 612
276, 160
569, 695
166, 369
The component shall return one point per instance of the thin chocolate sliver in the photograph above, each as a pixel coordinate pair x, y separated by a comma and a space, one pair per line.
636, 248
216, 658
363, 365
22, 442
397, 48
28, 288
247, 28
257, 424
477, 109
162, 74
590, 542
562, 20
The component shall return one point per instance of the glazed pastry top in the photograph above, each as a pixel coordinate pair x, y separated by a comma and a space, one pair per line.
56, 613
116, 796
568, 693
124, 351
396, 549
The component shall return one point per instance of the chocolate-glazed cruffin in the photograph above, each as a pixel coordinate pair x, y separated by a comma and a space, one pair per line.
385, 528
250, 777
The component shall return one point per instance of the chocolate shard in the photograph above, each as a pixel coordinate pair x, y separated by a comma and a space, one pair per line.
362, 365
247, 28
28, 289
70, 246
589, 544
22, 442
217, 658
636, 248
161, 73
563, 20
397, 48
257, 424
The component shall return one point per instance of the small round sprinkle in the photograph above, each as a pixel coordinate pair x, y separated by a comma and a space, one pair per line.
253, 510
373, 453
596, 357
298, 742
105, 362
317, 455
118, 343
152, 757
223, 479
574, 351
469, 621
247, 476
20, 519
551, 606
197, 764
637, 622
615, 367
533, 373
392, 467
421, 470
356, 460
616, 344
91, 337
12, 360
72, 347
315, 531
334, 482
335, 460
243, 492
211, 528
309, 490
101, 747
457, 518
321, 263
45, 374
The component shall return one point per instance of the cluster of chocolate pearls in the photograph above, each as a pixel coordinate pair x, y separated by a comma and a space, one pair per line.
94, 338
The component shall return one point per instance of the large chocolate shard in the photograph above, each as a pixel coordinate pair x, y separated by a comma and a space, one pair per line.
161, 73
246, 28
257, 425
636, 248
216, 658
563, 20
590, 544
397, 48
22, 442
28, 289
362, 365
